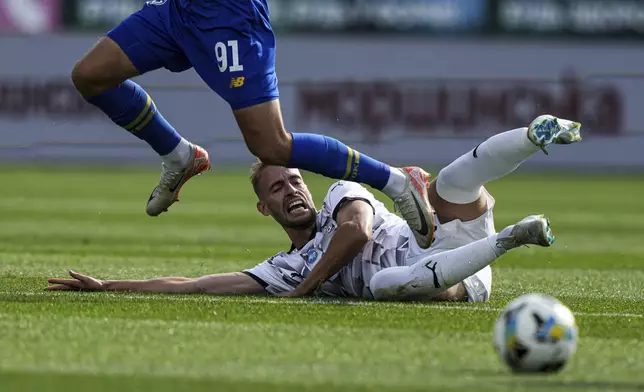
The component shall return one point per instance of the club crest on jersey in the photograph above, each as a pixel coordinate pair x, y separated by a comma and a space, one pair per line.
156, 2
312, 256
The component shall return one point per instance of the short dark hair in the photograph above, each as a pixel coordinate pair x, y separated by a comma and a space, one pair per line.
255, 172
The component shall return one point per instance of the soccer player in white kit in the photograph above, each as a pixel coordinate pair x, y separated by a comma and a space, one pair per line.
354, 247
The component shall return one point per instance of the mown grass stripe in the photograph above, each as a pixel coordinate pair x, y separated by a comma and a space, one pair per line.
308, 302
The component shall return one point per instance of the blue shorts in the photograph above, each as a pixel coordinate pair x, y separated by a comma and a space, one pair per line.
229, 43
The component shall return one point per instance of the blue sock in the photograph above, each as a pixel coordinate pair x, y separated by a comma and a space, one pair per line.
331, 158
131, 108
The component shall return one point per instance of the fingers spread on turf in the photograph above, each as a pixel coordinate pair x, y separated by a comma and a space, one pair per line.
81, 277
60, 287
68, 282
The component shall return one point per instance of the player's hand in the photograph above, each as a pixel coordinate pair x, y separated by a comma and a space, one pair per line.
80, 282
289, 294
294, 294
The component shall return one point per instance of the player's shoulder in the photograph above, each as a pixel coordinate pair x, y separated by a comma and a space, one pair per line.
283, 258
342, 191
341, 188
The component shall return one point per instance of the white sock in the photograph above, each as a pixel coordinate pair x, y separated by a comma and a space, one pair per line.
434, 274
461, 181
396, 183
180, 156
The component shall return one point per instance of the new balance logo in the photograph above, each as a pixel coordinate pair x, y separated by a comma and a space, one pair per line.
237, 82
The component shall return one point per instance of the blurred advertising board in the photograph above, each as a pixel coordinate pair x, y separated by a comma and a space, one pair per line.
428, 104
29, 16
317, 15
391, 16
97, 15
482, 18
591, 18
378, 111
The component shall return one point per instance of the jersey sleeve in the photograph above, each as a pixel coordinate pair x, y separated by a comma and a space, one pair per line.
275, 274
344, 191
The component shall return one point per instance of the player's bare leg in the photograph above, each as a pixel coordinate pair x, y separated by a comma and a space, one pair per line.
102, 78
105, 66
262, 127
266, 137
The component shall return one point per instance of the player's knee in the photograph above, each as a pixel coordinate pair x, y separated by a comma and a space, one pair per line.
103, 68
264, 133
274, 151
86, 79
391, 284
92, 77
454, 190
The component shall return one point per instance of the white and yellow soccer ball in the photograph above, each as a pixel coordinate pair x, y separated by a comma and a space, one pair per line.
535, 333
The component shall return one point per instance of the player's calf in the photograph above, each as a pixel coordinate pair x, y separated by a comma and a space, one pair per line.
102, 77
458, 190
434, 274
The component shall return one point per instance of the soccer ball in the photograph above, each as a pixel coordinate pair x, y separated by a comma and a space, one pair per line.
535, 333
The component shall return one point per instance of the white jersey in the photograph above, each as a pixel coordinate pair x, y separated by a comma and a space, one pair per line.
388, 247
392, 244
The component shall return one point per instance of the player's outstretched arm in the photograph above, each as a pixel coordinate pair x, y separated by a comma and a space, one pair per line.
229, 283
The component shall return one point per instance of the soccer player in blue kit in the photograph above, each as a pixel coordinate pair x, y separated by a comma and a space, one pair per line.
231, 45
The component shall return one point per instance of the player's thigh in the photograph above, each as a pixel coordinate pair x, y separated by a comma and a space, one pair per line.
243, 74
237, 61
479, 285
147, 38
103, 67
141, 43
233, 50
456, 293
448, 211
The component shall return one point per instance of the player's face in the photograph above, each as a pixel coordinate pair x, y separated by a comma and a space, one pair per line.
285, 197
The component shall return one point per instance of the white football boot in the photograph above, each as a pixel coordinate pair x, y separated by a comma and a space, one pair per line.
172, 180
413, 205
547, 129
533, 230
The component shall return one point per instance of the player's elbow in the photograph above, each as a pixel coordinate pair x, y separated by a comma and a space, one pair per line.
184, 286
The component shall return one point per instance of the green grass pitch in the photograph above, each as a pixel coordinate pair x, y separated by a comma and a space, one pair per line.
93, 221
